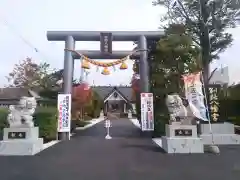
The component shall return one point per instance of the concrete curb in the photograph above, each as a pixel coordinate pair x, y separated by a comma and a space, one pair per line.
135, 122
157, 141
92, 123
49, 144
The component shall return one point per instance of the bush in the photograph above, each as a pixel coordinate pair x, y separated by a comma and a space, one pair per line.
89, 110
87, 118
3, 120
79, 123
46, 119
73, 125
159, 124
229, 108
235, 120
92, 110
96, 113
97, 104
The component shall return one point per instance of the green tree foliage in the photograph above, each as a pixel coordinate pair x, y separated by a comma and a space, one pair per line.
175, 55
46, 119
231, 93
218, 15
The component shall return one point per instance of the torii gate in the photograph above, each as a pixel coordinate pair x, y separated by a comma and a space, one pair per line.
105, 38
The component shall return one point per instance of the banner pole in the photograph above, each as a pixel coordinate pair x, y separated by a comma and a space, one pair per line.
207, 109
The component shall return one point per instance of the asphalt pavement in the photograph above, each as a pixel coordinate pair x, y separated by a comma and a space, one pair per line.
129, 155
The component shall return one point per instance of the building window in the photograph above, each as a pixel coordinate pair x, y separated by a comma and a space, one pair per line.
115, 95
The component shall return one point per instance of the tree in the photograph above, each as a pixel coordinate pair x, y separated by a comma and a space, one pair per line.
174, 55
206, 21
218, 15
81, 98
28, 74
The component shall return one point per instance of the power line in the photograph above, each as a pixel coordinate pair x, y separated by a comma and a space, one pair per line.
13, 29
16, 32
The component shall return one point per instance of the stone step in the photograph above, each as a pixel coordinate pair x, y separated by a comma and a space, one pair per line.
21, 147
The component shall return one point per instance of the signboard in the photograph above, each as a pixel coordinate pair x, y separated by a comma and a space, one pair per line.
17, 135
106, 42
183, 132
107, 123
64, 112
147, 116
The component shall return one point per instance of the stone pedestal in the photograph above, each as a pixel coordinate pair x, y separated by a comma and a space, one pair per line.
129, 115
223, 134
182, 139
101, 114
21, 141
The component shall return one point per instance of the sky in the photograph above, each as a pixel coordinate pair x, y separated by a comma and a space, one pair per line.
31, 19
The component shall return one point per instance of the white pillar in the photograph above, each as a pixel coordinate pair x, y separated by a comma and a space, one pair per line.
124, 105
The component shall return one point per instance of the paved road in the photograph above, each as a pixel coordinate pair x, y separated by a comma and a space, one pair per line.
128, 156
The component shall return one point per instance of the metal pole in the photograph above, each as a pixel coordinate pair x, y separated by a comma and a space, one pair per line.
108, 131
82, 74
144, 69
68, 74
144, 72
206, 58
205, 45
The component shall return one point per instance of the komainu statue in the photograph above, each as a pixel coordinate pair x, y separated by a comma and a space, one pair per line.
177, 111
21, 114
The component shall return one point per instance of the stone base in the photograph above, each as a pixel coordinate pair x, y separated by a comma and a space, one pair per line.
220, 139
182, 145
223, 134
129, 116
21, 141
31, 133
21, 147
217, 128
171, 129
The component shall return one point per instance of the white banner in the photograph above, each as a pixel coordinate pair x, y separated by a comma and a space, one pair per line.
147, 116
194, 95
64, 112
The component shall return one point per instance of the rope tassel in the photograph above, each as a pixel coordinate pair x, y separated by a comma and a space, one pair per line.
123, 66
85, 64
105, 71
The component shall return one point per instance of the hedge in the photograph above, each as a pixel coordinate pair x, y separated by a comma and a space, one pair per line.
235, 120
159, 124
93, 110
46, 119
229, 111
81, 123
3, 120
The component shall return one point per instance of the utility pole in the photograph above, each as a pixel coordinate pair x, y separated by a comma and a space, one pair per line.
205, 45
